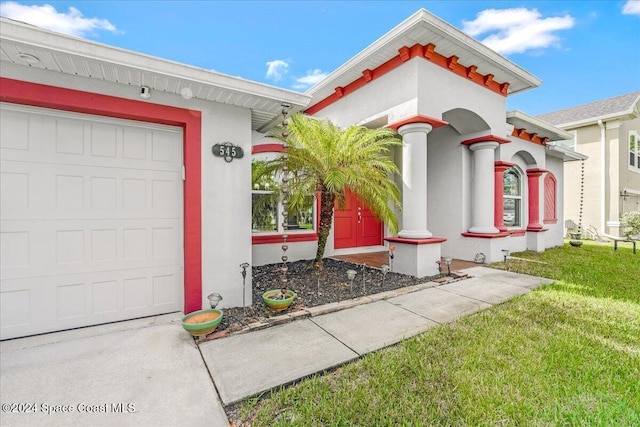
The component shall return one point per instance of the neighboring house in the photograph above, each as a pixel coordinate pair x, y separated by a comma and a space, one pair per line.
115, 205
608, 131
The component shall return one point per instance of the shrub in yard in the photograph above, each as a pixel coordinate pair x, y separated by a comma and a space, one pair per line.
630, 224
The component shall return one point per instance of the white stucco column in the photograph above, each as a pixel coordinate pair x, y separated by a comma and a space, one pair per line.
414, 180
482, 187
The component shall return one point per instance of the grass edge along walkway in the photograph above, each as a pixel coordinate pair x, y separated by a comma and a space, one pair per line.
565, 354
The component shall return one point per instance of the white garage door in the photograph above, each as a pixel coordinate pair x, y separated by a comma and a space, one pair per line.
91, 220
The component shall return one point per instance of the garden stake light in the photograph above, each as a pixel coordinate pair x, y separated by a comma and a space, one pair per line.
214, 299
318, 266
364, 285
447, 261
351, 274
244, 267
385, 270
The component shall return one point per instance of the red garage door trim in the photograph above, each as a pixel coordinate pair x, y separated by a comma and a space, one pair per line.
37, 95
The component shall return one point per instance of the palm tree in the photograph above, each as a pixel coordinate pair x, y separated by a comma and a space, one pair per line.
323, 158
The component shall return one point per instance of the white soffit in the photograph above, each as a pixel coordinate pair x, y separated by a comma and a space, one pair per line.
422, 28
75, 56
565, 154
531, 124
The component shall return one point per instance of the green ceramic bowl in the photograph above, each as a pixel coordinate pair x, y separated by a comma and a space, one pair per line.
202, 322
278, 304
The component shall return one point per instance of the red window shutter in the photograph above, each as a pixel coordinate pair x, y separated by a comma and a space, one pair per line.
550, 199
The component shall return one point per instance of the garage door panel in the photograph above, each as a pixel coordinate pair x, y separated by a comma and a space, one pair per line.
91, 220
39, 136
36, 248
68, 192
38, 304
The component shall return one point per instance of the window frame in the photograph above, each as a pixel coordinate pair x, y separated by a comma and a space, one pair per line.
518, 213
631, 153
266, 152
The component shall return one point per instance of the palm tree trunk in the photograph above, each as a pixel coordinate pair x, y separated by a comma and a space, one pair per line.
326, 218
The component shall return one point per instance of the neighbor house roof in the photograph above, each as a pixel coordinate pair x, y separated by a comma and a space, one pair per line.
618, 107
29, 46
423, 28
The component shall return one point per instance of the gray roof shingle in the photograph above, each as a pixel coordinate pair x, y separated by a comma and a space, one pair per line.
592, 110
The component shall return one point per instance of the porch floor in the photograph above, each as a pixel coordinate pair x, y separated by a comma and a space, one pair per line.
377, 259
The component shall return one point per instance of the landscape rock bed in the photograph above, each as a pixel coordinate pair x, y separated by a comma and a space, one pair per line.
302, 278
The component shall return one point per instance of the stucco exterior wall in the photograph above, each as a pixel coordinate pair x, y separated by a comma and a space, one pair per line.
617, 176
588, 143
393, 94
629, 177
226, 205
448, 174
440, 90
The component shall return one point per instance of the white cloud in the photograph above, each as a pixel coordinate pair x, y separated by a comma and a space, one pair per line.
276, 69
631, 7
312, 77
517, 30
46, 16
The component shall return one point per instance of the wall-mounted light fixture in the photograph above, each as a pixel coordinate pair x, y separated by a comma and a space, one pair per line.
624, 195
145, 92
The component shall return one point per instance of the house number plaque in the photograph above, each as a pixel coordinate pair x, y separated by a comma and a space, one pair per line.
227, 151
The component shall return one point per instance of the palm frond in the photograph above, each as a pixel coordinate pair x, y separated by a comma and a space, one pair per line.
320, 155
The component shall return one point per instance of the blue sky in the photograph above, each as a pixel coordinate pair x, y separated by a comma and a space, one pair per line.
582, 50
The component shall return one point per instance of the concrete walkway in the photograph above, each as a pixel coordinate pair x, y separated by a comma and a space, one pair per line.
248, 364
149, 372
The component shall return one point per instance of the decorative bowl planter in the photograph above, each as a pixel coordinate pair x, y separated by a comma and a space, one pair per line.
273, 299
202, 322
575, 243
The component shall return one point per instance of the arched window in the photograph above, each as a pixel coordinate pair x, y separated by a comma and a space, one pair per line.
512, 198
550, 199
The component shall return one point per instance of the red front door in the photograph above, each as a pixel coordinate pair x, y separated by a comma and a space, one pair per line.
355, 225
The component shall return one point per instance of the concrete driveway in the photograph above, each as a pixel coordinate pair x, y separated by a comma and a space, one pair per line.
146, 372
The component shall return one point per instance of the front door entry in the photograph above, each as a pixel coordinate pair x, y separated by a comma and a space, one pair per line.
355, 225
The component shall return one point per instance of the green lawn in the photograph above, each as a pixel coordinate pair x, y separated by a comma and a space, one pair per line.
566, 354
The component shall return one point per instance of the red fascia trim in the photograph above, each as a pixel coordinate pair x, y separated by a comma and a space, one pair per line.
405, 53
537, 230
267, 148
529, 137
486, 138
428, 241
378, 72
38, 95
484, 236
277, 238
516, 233
419, 118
